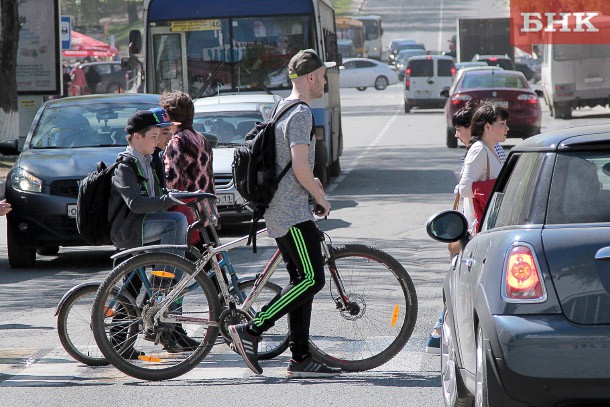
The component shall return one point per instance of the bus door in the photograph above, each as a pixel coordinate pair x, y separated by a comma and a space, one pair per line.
166, 68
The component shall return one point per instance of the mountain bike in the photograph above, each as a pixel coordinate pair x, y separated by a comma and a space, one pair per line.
361, 320
74, 309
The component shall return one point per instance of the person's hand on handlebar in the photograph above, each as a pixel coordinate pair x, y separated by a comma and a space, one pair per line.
321, 205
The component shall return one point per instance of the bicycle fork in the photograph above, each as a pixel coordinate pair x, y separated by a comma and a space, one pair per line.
342, 302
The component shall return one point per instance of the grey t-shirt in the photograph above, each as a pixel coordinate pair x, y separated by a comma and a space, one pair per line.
290, 204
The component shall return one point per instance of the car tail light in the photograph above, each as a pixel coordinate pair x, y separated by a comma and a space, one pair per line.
527, 98
407, 83
493, 59
522, 277
453, 71
460, 98
408, 71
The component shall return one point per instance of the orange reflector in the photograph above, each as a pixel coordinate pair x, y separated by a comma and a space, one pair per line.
109, 312
395, 315
163, 274
151, 359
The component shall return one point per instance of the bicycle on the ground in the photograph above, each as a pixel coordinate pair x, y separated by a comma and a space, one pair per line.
74, 309
361, 320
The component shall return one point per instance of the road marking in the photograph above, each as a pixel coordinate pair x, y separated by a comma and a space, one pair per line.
364, 153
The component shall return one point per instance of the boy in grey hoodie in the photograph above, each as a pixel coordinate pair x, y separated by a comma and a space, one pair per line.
139, 195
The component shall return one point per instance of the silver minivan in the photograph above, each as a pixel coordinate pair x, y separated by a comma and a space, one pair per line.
425, 78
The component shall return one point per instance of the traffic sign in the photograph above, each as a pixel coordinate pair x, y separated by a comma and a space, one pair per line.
65, 28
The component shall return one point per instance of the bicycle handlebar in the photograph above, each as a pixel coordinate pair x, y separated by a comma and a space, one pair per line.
180, 197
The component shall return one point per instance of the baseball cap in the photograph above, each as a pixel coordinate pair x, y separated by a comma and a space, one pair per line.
142, 119
304, 62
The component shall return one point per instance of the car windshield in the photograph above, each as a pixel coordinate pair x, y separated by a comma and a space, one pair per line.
229, 127
84, 125
494, 81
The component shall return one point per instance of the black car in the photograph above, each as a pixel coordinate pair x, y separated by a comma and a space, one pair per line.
112, 76
527, 302
67, 138
503, 61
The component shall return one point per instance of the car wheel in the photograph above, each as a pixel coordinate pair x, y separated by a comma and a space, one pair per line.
18, 256
451, 139
361, 88
449, 375
381, 83
113, 87
562, 112
48, 251
407, 107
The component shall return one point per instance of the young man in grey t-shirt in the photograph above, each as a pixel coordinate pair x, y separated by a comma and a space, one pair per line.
290, 221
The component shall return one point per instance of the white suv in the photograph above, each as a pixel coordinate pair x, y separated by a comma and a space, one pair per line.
229, 118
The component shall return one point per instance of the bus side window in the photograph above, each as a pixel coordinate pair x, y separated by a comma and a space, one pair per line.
330, 45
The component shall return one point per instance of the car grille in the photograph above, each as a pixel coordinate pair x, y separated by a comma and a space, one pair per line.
223, 181
65, 187
61, 225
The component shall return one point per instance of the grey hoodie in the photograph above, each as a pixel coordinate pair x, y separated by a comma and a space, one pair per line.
130, 194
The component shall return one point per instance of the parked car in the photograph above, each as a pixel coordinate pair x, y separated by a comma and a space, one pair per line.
399, 45
426, 76
403, 57
113, 77
508, 89
527, 317
228, 118
503, 61
360, 73
66, 139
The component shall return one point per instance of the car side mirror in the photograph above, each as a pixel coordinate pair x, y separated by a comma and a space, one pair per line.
445, 92
447, 227
10, 147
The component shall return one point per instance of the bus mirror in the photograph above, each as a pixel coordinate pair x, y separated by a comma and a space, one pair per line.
135, 42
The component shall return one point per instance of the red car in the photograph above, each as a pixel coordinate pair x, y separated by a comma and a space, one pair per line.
509, 89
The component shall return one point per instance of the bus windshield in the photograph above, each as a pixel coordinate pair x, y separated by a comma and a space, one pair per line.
230, 53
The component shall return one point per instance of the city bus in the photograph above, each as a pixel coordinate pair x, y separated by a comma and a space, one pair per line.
576, 75
351, 29
373, 32
211, 47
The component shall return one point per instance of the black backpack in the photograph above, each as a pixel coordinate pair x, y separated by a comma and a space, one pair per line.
254, 166
92, 203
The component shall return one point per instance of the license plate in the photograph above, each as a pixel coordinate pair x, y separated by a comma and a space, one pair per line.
502, 103
71, 210
225, 199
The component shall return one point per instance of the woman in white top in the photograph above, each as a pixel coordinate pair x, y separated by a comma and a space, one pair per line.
488, 127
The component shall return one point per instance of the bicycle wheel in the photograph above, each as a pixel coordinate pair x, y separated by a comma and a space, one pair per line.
275, 341
157, 350
383, 314
74, 325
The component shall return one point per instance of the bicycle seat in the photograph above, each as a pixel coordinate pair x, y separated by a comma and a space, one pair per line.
190, 198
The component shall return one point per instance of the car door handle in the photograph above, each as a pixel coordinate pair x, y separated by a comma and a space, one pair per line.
468, 262
603, 253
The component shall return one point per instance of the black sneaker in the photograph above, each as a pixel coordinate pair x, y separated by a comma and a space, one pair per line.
177, 340
246, 345
309, 368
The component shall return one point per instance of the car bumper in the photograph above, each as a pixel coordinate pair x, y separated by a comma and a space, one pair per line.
547, 359
39, 220
427, 103
231, 206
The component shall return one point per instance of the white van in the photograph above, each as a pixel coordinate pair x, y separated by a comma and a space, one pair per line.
425, 78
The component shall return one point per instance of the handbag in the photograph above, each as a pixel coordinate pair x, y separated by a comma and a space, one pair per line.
455, 247
481, 191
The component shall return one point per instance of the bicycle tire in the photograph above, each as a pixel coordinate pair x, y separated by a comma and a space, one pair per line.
160, 360
275, 341
74, 326
386, 315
